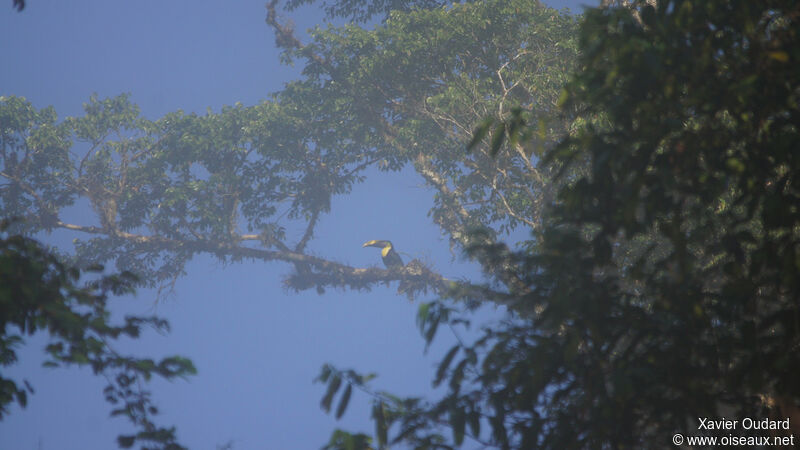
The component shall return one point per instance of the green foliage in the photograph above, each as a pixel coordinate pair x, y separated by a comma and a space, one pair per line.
334, 379
406, 94
660, 282
361, 11
342, 440
664, 285
39, 293
699, 160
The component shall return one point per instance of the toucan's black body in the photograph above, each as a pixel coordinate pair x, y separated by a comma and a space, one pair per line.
390, 257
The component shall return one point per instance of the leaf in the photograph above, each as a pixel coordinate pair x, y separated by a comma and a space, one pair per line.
498, 137
126, 441
430, 333
779, 55
22, 398
440, 372
458, 376
381, 430
333, 386
563, 98
422, 315
344, 401
457, 423
474, 423
324, 374
480, 132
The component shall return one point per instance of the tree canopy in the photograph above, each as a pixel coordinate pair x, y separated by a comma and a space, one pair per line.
229, 183
696, 164
406, 94
659, 283
663, 285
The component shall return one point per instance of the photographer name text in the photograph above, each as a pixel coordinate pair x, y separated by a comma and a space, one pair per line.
743, 424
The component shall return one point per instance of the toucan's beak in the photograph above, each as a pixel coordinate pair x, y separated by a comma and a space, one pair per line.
390, 257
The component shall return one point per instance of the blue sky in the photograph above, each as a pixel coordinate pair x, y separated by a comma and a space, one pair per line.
257, 347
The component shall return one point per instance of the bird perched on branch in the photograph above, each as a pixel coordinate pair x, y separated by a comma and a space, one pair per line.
390, 257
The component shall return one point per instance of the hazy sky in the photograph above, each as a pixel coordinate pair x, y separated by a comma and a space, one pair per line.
257, 347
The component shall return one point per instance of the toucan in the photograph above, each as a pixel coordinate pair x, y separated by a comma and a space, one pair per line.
390, 257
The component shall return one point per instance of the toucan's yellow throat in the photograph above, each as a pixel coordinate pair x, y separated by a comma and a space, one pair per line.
390, 257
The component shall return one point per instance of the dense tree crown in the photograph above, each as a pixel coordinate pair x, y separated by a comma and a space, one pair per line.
660, 282
683, 298
407, 93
